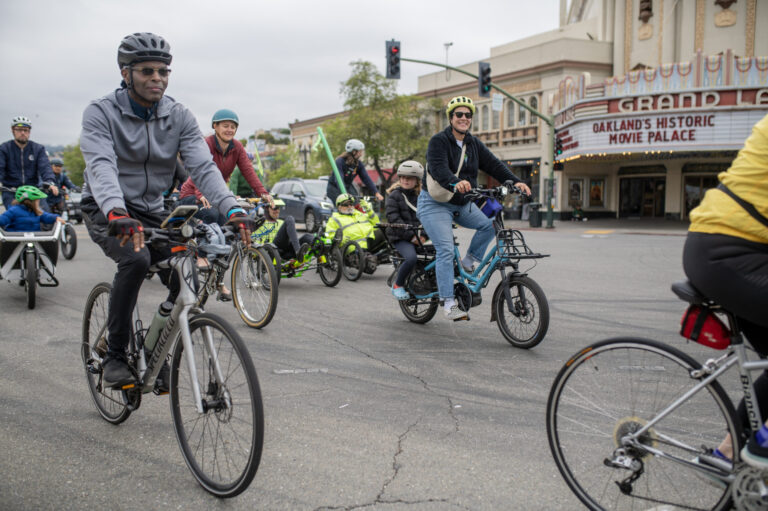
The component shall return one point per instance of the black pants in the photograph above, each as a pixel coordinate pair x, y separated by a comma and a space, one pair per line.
131, 269
287, 239
734, 273
408, 251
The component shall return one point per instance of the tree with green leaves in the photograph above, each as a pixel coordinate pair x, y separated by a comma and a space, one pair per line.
394, 128
74, 163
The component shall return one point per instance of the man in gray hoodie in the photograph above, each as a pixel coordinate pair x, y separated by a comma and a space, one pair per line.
130, 141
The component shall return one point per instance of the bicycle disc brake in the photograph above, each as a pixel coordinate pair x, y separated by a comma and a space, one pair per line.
750, 489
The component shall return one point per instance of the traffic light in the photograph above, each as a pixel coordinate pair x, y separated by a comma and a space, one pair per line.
558, 146
393, 59
484, 79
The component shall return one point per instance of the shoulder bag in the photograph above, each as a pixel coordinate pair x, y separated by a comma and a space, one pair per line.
435, 190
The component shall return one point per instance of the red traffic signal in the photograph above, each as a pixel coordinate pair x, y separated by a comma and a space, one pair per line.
393, 59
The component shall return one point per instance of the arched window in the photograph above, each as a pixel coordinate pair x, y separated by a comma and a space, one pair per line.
443, 119
510, 114
495, 119
534, 102
521, 117
485, 118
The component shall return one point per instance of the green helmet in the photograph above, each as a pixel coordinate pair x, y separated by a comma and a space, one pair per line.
225, 115
29, 192
278, 202
458, 101
344, 197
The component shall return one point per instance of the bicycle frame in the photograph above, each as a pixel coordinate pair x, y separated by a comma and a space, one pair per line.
177, 324
713, 369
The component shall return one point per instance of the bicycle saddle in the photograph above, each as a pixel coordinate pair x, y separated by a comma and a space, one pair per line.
686, 292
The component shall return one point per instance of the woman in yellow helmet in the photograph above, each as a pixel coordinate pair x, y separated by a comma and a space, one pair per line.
454, 158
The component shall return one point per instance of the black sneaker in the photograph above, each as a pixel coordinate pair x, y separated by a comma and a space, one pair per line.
163, 381
301, 256
116, 373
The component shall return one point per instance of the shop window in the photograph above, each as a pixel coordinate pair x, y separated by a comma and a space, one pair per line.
484, 118
510, 114
534, 102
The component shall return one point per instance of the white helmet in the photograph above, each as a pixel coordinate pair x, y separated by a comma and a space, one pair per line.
21, 121
354, 144
411, 168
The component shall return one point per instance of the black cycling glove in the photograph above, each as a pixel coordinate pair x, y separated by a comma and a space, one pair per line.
120, 224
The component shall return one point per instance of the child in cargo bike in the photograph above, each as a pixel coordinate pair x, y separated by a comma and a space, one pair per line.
26, 215
401, 209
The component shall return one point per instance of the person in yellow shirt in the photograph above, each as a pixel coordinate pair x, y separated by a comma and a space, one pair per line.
726, 258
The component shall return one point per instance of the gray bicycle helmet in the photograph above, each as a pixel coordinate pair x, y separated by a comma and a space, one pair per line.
21, 121
411, 168
57, 161
354, 144
143, 47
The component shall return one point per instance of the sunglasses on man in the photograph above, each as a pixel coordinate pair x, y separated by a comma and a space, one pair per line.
149, 71
459, 115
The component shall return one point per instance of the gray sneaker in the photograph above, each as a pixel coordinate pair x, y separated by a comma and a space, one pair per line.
455, 313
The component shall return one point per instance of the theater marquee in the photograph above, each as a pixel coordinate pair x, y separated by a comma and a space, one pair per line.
678, 131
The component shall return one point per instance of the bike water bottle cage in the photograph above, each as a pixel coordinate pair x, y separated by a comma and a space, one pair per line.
120, 224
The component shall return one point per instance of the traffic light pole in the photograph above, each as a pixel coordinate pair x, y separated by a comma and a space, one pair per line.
549, 140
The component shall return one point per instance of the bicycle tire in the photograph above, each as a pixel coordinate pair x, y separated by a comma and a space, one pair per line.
277, 261
527, 326
417, 311
353, 259
614, 387
109, 402
330, 270
68, 242
254, 287
30, 278
231, 421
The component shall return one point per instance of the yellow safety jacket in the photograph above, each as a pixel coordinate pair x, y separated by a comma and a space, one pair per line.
748, 179
267, 232
356, 226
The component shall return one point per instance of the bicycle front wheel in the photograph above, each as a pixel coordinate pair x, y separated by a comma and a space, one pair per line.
109, 402
68, 242
254, 287
222, 445
526, 324
612, 389
330, 270
353, 260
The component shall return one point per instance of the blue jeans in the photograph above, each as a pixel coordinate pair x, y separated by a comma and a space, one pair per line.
436, 217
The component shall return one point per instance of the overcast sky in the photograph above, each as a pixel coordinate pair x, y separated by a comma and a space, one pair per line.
271, 62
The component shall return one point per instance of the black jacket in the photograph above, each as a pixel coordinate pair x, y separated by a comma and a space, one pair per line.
398, 212
443, 155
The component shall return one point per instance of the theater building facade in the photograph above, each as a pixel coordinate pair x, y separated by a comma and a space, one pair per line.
651, 142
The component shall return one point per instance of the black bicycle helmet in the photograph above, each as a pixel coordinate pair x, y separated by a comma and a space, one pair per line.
143, 47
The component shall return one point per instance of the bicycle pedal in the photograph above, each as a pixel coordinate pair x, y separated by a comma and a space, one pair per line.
159, 392
465, 318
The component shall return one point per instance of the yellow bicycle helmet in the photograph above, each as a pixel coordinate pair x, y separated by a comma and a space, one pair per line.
458, 101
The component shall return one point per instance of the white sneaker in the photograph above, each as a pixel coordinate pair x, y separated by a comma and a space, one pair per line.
455, 313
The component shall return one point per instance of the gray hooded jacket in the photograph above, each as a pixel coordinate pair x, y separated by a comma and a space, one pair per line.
130, 162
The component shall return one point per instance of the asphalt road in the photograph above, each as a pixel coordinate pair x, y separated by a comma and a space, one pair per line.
363, 408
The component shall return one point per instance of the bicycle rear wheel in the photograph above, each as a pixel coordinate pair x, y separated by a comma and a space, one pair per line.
68, 242
221, 446
527, 324
30, 278
612, 389
254, 287
109, 403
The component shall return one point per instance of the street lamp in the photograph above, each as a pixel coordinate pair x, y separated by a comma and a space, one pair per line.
304, 152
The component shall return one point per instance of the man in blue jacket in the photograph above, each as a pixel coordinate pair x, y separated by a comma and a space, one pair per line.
56, 203
130, 140
23, 162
